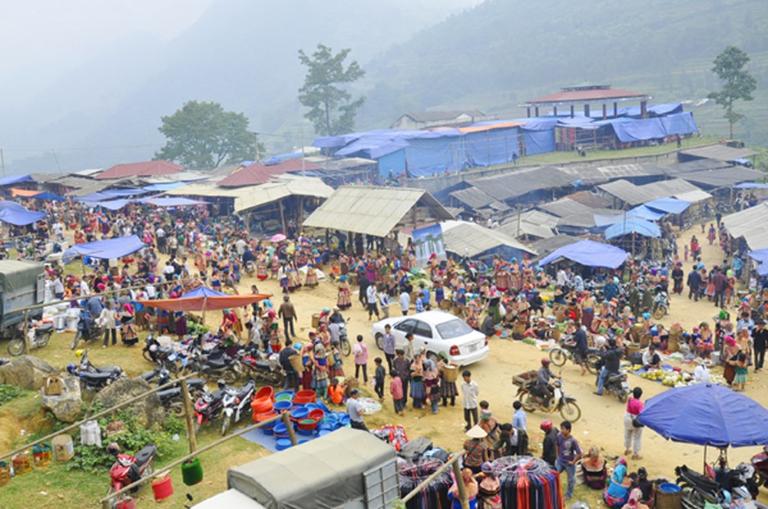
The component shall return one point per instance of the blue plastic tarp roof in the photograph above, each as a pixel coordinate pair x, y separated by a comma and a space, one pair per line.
656, 109
17, 215
172, 202
633, 225
643, 212
133, 191
281, 158
706, 414
113, 204
165, 186
105, 249
759, 255
588, 253
48, 196
668, 205
751, 185
15, 179
203, 291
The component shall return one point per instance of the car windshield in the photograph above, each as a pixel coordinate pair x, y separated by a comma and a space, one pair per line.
453, 329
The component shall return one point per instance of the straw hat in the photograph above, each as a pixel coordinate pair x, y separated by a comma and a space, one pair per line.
477, 432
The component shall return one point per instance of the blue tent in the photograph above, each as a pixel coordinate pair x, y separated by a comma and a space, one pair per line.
643, 212
668, 205
633, 225
105, 249
113, 204
15, 179
588, 253
203, 291
706, 414
48, 196
15, 214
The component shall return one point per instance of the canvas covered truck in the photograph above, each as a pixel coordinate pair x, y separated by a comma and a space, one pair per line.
22, 284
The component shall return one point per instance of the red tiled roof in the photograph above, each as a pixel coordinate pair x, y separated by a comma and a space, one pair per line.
256, 173
144, 169
586, 95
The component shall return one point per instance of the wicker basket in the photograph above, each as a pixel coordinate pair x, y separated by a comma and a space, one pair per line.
296, 363
450, 373
524, 378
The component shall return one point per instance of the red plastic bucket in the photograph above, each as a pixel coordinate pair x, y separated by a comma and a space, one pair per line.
305, 396
317, 414
127, 503
162, 488
261, 406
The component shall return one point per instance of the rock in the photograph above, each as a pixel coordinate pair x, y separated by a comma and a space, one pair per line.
68, 405
27, 372
148, 411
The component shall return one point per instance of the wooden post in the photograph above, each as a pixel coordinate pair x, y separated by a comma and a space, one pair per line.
460, 485
300, 212
27, 345
189, 417
288, 424
282, 217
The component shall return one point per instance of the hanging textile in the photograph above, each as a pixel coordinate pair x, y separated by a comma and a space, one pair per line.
528, 483
435, 495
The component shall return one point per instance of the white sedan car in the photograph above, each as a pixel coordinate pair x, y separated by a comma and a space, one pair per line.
437, 332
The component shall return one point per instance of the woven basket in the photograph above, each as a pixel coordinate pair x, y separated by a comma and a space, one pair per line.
450, 373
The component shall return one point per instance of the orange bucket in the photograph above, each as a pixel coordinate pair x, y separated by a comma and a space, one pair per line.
305, 396
265, 392
162, 488
261, 405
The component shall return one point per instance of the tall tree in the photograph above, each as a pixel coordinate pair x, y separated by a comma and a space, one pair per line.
201, 136
331, 108
738, 83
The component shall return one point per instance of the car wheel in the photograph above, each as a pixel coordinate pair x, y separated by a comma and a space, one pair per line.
379, 340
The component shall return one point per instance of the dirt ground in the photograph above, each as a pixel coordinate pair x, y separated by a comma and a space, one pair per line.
602, 417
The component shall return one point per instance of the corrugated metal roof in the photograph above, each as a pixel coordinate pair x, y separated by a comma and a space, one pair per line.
664, 188
258, 173
258, 196
586, 95
751, 224
546, 246
590, 199
565, 207
693, 196
471, 239
142, 169
373, 210
719, 152
204, 189
723, 177
520, 182
533, 223
473, 197
635, 195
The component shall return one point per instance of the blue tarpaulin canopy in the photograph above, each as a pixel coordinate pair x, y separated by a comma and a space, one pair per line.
643, 212
668, 205
751, 185
706, 414
632, 225
105, 249
48, 196
17, 215
113, 204
165, 186
588, 253
761, 257
172, 202
203, 291
15, 179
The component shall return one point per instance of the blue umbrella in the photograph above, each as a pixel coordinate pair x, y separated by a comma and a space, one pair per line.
706, 414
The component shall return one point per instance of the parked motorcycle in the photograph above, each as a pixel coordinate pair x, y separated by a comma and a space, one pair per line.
235, 404
208, 406
128, 469
217, 365
566, 351
262, 367
163, 356
616, 383
171, 397
660, 305
87, 330
92, 377
698, 489
760, 462
38, 336
557, 402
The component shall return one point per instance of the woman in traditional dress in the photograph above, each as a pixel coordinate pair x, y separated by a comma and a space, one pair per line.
343, 300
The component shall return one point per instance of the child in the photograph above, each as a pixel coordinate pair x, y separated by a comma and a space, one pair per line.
337, 365
469, 393
378, 378
740, 379
336, 392
360, 351
396, 390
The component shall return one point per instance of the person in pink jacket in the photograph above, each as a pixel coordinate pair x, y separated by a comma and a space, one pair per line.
360, 351
396, 390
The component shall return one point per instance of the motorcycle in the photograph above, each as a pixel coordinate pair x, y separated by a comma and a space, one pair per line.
38, 336
171, 397
660, 305
208, 407
616, 383
87, 330
250, 268
91, 377
760, 462
566, 351
558, 401
233, 403
261, 367
698, 489
217, 365
163, 356
128, 469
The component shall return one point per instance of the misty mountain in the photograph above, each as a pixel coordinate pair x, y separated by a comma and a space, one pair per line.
503, 52
242, 53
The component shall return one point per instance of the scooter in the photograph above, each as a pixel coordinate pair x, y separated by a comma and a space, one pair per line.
233, 403
171, 397
87, 330
128, 469
557, 402
219, 366
93, 378
261, 366
616, 383
760, 462
38, 336
208, 406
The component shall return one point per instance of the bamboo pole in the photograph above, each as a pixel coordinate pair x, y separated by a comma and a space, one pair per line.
25, 327
106, 501
94, 416
460, 485
189, 416
286, 417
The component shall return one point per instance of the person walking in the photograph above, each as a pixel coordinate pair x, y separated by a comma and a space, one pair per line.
388, 345
402, 366
108, 321
759, 343
694, 284
720, 284
288, 313
549, 446
469, 394
405, 301
396, 390
633, 433
568, 453
372, 298
384, 302
360, 351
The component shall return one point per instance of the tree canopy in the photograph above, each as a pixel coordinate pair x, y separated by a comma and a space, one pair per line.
738, 83
331, 108
201, 136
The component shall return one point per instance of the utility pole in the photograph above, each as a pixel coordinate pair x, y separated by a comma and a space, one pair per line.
2, 161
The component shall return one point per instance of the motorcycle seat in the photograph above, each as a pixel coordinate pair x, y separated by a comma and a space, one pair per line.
218, 362
96, 376
44, 328
145, 454
169, 393
195, 383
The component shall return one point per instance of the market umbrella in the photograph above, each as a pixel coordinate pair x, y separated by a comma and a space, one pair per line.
205, 299
707, 414
278, 237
